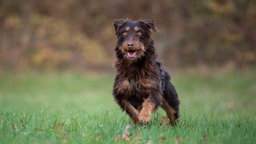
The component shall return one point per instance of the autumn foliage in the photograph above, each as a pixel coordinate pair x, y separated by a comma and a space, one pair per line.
79, 34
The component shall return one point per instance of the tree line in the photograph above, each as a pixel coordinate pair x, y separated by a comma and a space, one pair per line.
79, 34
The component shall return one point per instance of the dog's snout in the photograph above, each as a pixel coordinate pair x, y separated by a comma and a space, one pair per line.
130, 44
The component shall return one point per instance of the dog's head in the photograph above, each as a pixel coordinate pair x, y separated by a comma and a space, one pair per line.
133, 37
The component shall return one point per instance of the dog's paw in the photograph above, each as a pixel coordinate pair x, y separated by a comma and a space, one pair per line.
144, 119
135, 121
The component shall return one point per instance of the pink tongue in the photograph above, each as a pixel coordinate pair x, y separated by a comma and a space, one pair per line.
131, 54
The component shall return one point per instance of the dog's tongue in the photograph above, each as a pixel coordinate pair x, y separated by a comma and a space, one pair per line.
131, 54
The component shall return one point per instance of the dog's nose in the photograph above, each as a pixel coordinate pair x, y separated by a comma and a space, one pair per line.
130, 44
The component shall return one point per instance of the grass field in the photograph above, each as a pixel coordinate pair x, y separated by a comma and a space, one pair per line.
216, 107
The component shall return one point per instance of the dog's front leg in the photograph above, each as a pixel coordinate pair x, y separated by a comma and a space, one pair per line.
122, 90
130, 110
147, 108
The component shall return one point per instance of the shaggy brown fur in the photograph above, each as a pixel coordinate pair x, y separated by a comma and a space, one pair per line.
140, 83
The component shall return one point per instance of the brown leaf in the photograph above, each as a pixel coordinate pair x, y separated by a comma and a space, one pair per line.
14, 126
138, 136
150, 142
98, 138
64, 136
163, 138
125, 137
59, 127
126, 133
178, 140
116, 137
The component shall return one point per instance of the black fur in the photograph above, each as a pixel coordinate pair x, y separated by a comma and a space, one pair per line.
141, 85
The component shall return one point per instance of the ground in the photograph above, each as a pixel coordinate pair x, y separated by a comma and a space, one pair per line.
68, 107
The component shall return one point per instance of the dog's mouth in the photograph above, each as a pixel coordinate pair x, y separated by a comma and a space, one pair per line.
131, 54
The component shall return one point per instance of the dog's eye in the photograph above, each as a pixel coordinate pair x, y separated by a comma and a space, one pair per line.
124, 34
139, 33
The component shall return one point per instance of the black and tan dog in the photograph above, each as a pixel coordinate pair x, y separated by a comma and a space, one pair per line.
141, 85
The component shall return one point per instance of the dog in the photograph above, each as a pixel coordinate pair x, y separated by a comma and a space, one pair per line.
141, 84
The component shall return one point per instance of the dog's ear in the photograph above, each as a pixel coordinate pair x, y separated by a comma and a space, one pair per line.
150, 23
118, 23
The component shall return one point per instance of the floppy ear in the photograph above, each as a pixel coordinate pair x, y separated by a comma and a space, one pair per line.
118, 23
150, 23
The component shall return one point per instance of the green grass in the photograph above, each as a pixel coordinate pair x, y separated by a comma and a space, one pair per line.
216, 107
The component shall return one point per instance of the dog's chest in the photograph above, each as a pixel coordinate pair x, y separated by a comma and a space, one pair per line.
142, 87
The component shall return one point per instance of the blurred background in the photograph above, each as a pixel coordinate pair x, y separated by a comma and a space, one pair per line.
60, 54
79, 35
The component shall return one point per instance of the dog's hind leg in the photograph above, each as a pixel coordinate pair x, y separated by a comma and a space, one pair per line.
170, 103
170, 112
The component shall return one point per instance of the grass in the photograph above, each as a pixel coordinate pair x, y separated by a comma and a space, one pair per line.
216, 107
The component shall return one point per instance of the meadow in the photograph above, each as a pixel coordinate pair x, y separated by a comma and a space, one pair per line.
217, 106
